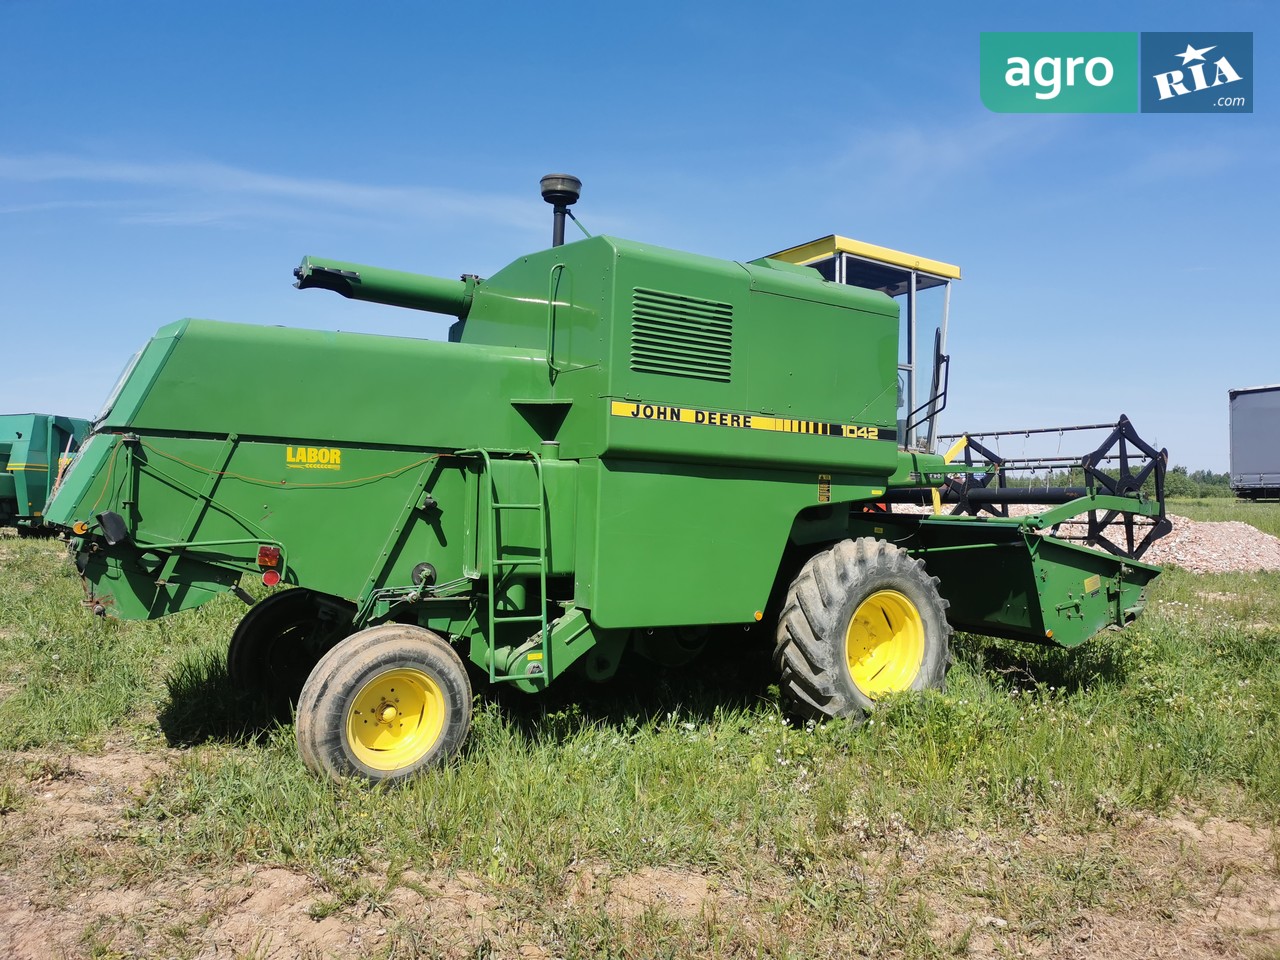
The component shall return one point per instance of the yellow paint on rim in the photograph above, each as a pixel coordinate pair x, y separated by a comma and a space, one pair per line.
884, 645
395, 719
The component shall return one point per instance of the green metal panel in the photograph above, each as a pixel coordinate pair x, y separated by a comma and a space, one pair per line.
125, 584
679, 543
203, 377
631, 323
71, 500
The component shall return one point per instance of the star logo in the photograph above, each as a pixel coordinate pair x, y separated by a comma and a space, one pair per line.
1191, 53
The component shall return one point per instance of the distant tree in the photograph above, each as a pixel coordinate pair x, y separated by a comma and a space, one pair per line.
1178, 484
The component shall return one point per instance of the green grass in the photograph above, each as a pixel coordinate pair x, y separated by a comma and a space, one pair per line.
696, 770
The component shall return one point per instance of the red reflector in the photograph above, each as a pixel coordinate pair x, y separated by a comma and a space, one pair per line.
268, 556
271, 578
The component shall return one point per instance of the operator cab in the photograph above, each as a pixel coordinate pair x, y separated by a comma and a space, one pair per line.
924, 289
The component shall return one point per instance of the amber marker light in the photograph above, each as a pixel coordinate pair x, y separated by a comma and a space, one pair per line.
268, 556
79, 528
759, 615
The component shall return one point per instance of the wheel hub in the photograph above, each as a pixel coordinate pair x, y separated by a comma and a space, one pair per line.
395, 718
884, 645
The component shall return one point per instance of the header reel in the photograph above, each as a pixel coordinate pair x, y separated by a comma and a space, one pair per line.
1123, 465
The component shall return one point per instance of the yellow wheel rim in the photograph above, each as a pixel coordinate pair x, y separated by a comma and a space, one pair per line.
395, 719
884, 644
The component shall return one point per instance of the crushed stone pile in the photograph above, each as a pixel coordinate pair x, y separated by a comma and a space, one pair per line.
1198, 546
1215, 547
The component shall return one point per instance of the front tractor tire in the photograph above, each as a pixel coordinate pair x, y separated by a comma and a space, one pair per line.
862, 619
384, 704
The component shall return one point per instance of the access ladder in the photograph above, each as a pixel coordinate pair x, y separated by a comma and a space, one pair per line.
533, 655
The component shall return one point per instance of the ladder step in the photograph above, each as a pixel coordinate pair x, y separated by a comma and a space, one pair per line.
536, 566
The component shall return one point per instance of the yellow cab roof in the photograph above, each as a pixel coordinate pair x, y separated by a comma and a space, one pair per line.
827, 248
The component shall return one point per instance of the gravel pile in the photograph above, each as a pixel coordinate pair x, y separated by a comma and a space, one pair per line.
1215, 547
1200, 547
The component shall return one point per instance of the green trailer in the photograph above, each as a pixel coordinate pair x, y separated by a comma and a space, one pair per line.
619, 449
35, 451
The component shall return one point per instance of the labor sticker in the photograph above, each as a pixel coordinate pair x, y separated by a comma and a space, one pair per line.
313, 458
824, 488
1092, 584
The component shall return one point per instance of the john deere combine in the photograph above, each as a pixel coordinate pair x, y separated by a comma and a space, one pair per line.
35, 450
619, 447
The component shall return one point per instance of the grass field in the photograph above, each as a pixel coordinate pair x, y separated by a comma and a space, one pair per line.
1046, 803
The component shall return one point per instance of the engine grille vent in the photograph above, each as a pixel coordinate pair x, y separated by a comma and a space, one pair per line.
681, 336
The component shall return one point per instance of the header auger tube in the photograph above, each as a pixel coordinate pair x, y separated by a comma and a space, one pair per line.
356, 281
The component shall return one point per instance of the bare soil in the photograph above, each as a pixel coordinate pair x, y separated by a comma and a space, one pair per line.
1226, 876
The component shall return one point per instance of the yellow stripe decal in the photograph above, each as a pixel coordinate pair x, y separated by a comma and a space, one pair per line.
746, 421
14, 467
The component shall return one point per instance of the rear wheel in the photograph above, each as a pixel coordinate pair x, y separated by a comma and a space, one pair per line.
281, 638
384, 704
861, 620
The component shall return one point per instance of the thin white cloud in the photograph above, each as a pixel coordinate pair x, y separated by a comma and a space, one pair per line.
48, 205
921, 158
202, 191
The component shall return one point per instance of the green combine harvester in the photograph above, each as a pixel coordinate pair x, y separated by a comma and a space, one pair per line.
35, 451
619, 448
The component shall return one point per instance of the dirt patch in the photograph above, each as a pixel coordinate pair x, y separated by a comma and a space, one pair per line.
1224, 874
67, 888
1215, 596
681, 894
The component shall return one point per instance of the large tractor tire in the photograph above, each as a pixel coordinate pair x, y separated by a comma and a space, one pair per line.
384, 704
279, 641
861, 620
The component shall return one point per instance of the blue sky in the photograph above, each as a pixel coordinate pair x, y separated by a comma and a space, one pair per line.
162, 160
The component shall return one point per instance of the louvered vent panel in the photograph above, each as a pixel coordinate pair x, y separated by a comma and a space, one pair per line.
681, 336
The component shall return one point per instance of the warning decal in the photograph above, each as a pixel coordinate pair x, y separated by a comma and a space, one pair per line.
747, 421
